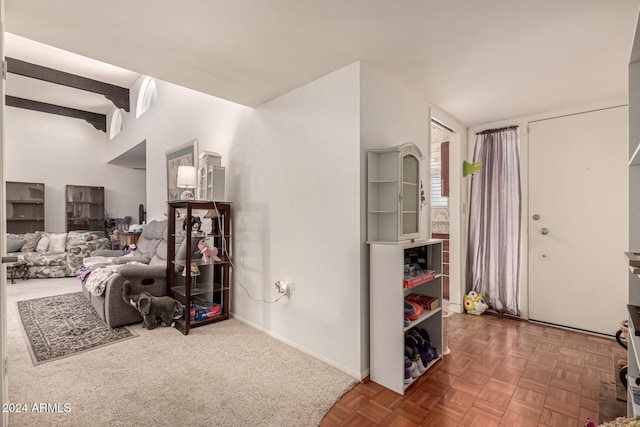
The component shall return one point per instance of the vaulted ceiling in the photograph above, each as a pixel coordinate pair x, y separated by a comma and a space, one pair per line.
479, 61
82, 82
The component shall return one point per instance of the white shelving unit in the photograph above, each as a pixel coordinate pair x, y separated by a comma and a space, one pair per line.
211, 177
634, 223
635, 157
387, 307
393, 204
633, 410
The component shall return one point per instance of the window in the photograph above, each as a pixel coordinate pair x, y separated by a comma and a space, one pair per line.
147, 96
437, 200
115, 123
440, 137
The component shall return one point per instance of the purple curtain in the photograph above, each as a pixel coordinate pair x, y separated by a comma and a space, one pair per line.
493, 255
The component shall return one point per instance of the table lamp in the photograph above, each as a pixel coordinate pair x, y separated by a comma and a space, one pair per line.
187, 179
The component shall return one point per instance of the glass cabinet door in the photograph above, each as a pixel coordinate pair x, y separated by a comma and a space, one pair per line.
199, 267
410, 194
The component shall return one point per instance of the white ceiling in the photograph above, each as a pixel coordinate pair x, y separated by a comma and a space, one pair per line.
479, 61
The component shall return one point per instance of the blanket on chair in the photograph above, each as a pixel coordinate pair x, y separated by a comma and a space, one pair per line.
96, 281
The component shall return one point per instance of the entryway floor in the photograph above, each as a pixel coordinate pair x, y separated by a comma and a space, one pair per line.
500, 372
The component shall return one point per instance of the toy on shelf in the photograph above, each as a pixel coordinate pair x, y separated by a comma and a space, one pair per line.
474, 303
208, 253
194, 271
412, 310
196, 224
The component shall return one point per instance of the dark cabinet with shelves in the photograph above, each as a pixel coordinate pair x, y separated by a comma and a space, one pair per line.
200, 282
25, 207
84, 208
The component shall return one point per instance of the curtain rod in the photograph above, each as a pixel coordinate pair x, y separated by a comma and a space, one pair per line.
437, 123
484, 132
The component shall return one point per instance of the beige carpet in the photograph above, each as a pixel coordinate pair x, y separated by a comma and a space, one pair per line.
225, 374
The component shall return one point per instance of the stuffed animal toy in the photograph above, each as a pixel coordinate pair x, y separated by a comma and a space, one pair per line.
474, 303
196, 224
208, 254
152, 307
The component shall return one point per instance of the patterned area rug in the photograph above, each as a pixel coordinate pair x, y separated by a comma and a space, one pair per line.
64, 325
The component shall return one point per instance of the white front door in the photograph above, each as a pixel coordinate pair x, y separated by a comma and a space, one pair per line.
578, 227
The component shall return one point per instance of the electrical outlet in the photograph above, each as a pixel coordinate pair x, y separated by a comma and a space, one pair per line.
282, 288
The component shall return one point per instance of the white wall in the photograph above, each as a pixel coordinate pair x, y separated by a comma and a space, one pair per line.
292, 174
634, 142
294, 178
295, 174
57, 151
390, 116
634, 172
179, 116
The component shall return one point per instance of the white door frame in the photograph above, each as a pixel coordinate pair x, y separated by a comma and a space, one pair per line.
457, 209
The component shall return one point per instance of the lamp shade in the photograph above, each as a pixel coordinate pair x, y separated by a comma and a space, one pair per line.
187, 177
212, 213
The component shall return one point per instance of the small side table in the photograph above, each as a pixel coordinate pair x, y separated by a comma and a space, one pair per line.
17, 269
128, 239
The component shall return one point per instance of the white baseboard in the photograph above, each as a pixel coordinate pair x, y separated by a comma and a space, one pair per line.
354, 374
455, 308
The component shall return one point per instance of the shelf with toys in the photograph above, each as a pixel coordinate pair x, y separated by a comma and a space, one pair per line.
199, 271
411, 281
422, 317
406, 311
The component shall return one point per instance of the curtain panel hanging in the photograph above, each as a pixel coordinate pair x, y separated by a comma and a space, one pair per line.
493, 256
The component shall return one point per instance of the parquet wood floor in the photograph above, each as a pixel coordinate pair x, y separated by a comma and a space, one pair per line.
501, 372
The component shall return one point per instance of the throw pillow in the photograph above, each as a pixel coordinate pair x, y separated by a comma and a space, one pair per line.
73, 238
31, 241
43, 244
57, 242
14, 244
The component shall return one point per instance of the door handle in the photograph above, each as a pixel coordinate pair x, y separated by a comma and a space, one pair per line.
544, 231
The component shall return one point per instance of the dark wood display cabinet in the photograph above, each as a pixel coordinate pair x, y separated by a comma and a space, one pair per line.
84, 208
198, 261
25, 207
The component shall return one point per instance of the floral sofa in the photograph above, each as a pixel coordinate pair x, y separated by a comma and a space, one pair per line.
54, 254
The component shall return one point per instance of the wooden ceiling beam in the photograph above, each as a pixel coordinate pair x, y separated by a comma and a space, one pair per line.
116, 94
98, 121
